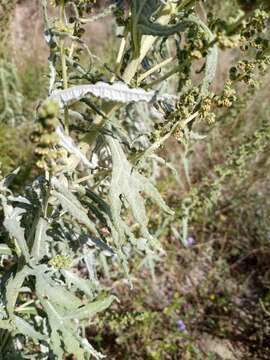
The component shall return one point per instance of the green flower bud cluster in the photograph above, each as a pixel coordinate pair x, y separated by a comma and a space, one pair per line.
204, 198
207, 104
205, 110
227, 97
223, 37
45, 138
196, 42
61, 262
60, 27
256, 24
48, 110
253, 33
228, 42
246, 71
186, 104
184, 108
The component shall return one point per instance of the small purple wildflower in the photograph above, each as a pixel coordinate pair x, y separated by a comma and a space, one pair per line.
181, 325
190, 241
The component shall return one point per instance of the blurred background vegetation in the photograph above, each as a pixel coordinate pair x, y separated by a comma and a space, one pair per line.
210, 300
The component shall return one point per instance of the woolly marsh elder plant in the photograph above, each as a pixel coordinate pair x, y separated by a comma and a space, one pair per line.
96, 137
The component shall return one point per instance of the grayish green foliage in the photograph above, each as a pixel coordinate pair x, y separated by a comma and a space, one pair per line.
128, 184
58, 297
79, 212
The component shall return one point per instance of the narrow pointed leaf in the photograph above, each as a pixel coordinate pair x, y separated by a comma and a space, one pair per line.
23, 327
82, 284
91, 309
41, 239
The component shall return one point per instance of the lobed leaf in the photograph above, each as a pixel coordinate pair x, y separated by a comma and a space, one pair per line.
128, 184
13, 226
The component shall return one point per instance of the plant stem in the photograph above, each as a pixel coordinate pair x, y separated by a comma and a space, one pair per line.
165, 76
4, 342
146, 44
64, 64
119, 57
154, 69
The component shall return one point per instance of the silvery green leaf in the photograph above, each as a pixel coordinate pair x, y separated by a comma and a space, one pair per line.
210, 68
5, 250
4, 183
64, 332
19, 199
56, 344
90, 263
64, 325
56, 323
129, 184
71, 204
23, 327
39, 249
118, 92
13, 226
167, 164
104, 264
75, 344
101, 245
56, 294
13, 288
103, 206
91, 309
2, 311
54, 312
68, 143
89, 348
6, 325
184, 230
196, 136
71, 342
84, 285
